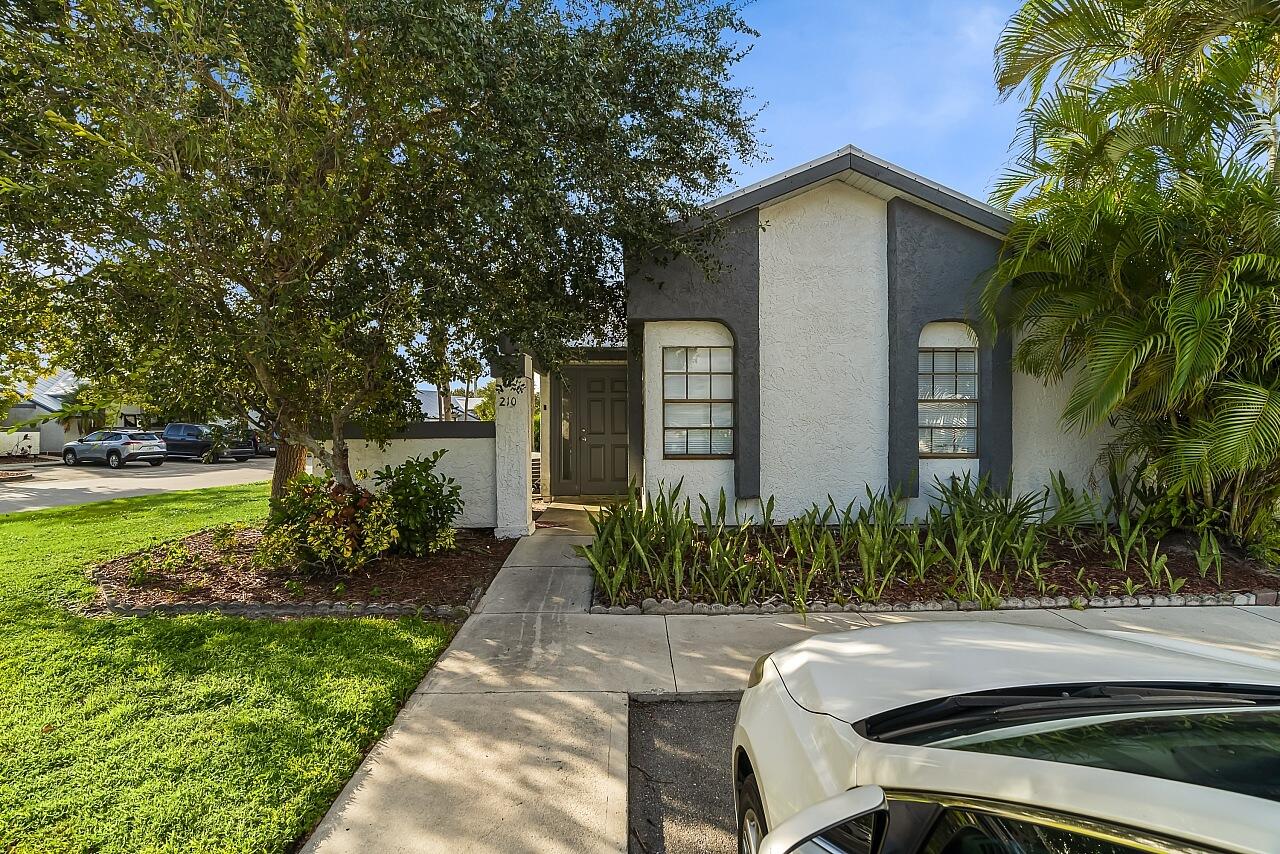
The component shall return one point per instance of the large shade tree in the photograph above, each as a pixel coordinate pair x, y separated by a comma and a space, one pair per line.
1144, 262
283, 204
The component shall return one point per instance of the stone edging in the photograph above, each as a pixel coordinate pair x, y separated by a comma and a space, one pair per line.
16, 476
322, 608
668, 607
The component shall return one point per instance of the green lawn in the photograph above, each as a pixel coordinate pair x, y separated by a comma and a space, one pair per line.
176, 734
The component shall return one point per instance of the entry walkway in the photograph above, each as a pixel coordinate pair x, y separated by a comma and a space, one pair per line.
517, 739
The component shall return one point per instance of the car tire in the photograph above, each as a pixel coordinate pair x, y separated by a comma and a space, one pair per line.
114, 460
69, 457
156, 462
752, 825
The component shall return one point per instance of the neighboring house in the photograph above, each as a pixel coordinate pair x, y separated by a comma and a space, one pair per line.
429, 401
832, 353
43, 399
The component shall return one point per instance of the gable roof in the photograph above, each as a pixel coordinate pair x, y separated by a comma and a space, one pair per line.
47, 392
864, 172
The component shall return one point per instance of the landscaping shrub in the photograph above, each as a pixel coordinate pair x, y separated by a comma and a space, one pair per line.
327, 527
975, 543
424, 503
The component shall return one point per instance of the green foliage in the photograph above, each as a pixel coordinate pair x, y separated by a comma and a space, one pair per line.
219, 444
224, 538
175, 557
424, 504
1143, 263
197, 733
326, 527
975, 543
254, 204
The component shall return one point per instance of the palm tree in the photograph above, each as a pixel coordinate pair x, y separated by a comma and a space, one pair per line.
1144, 261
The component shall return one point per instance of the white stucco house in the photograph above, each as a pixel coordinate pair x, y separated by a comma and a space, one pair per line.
833, 352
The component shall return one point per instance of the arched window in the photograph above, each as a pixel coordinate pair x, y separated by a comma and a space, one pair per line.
948, 391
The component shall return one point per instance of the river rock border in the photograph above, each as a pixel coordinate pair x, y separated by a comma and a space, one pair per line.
668, 607
323, 608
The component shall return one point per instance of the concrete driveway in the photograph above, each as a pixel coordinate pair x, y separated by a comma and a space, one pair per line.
55, 486
518, 738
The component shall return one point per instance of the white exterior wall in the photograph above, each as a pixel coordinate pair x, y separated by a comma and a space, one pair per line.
53, 436
824, 348
705, 477
1041, 446
471, 462
19, 442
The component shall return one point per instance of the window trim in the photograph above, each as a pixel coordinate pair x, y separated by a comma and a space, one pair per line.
976, 400
733, 402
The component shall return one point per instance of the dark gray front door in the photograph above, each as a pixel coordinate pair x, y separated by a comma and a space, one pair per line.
593, 432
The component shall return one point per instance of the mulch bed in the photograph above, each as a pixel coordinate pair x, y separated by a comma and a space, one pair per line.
227, 575
1060, 567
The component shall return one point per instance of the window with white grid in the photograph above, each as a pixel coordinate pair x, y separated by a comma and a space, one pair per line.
948, 401
697, 402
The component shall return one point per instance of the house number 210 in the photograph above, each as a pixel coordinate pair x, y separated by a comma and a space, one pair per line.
508, 391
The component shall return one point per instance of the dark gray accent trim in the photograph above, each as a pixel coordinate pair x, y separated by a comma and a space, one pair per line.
437, 430
877, 170
678, 290
935, 265
635, 401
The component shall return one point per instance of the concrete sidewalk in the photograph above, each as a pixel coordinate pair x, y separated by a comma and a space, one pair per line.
517, 739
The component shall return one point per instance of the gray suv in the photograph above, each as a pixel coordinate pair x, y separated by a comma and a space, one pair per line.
115, 448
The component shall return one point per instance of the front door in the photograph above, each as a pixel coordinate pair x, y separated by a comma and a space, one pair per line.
593, 431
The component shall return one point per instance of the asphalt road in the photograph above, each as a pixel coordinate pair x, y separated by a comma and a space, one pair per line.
680, 794
56, 486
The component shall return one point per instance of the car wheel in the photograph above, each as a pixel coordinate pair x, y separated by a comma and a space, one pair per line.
751, 822
69, 457
114, 460
156, 462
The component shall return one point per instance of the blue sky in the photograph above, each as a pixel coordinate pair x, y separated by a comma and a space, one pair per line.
907, 80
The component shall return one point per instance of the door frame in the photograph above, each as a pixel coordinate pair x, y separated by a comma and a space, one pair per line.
572, 373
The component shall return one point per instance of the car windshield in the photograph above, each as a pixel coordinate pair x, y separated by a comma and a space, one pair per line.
143, 437
1237, 750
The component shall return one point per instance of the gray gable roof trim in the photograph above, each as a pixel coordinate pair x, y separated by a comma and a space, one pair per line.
851, 159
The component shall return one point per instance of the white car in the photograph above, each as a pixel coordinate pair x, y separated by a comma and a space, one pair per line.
959, 737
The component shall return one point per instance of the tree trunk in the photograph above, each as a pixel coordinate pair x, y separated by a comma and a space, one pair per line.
290, 462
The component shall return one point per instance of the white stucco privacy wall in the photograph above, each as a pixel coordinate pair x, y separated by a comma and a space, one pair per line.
701, 477
19, 442
824, 348
471, 462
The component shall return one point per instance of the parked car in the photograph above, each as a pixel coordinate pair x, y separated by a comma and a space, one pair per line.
115, 448
198, 441
988, 738
264, 443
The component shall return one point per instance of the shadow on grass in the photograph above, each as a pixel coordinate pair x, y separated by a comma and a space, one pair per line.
189, 733
118, 734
